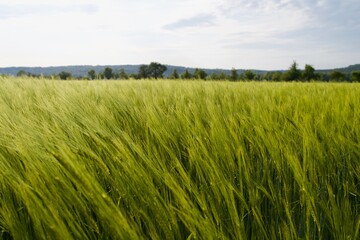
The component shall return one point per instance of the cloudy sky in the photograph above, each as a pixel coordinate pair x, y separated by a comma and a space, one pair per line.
246, 34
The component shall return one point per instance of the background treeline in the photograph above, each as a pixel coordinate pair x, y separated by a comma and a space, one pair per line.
156, 70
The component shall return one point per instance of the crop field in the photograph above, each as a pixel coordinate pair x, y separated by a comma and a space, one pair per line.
179, 160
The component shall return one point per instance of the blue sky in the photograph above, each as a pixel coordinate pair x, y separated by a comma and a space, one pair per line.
246, 34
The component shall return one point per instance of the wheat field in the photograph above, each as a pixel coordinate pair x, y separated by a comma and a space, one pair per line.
179, 160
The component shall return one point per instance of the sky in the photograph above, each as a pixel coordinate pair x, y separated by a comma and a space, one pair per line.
241, 34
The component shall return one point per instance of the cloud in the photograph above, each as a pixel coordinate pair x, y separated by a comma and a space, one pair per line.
318, 32
256, 45
309, 31
199, 20
25, 10
260, 23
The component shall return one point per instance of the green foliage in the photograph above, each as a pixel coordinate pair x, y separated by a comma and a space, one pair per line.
337, 76
200, 74
123, 75
81, 71
276, 76
65, 75
249, 75
234, 76
355, 76
108, 73
174, 75
223, 76
186, 75
267, 76
218, 76
309, 73
22, 73
156, 70
143, 71
324, 77
175, 160
92, 74
292, 74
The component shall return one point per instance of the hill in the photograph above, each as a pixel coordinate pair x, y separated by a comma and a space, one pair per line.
346, 70
82, 70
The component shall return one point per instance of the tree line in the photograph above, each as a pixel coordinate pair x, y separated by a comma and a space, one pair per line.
156, 70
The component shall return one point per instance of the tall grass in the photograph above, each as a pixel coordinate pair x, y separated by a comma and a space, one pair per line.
179, 160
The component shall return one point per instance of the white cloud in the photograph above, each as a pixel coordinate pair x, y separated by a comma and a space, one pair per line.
205, 33
195, 21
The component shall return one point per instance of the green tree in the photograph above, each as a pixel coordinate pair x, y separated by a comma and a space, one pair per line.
122, 74
200, 74
309, 73
22, 73
186, 75
276, 76
249, 75
292, 74
108, 73
134, 76
355, 76
174, 75
214, 76
156, 70
143, 71
223, 76
234, 76
266, 76
324, 77
337, 76
92, 74
218, 76
64, 75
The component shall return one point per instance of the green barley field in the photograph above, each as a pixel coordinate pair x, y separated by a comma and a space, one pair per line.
179, 160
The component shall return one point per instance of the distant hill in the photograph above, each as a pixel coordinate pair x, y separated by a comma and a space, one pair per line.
77, 71
82, 70
349, 69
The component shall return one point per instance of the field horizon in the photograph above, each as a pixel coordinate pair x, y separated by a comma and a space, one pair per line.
82, 70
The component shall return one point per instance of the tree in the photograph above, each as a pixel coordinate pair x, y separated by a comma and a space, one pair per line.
337, 76
92, 74
143, 71
122, 74
218, 76
309, 73
156, 70
324, 77
267, 76
174, 74
65, 75
234, 75
276, 76
22, 73
249, 75
223, 76
108, 73
134, 76
186, 75
292, 74
200, 74
355, 76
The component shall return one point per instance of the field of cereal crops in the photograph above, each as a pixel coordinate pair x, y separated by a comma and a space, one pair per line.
179, 160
